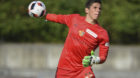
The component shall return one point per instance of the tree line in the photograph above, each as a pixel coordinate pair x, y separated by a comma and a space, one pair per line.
119, 18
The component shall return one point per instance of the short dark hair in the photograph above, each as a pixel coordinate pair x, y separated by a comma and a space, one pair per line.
90, 2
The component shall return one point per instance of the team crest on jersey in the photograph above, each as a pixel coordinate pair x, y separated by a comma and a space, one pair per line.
81, 32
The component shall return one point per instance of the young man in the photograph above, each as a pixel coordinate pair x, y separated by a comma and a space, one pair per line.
85, 35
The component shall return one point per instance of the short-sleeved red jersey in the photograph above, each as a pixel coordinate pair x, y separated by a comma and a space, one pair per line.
81, 39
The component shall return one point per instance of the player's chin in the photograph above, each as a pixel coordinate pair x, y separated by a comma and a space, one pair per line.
95, 18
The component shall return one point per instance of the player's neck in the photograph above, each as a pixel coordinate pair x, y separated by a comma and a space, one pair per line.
91, 21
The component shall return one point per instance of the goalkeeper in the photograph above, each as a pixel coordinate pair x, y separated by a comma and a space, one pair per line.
85, 34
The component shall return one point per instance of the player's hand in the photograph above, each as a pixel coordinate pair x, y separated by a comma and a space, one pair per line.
90, 60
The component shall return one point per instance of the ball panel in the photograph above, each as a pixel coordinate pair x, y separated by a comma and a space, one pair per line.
35, 15
42, 13
32, 6
39, 4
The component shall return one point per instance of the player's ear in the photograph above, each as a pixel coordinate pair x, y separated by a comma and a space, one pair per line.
86, 10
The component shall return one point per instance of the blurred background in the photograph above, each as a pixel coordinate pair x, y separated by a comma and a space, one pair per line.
31, 47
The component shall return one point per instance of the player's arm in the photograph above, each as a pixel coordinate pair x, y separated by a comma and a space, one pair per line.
103, 48
63, 19
103, 52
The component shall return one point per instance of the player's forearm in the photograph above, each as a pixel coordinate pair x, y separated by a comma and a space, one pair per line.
103, 53
51, 17
102, 59
56, 18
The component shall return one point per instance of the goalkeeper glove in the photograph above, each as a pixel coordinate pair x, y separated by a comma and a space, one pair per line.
90, 60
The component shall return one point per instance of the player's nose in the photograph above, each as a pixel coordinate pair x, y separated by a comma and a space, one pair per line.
98, 9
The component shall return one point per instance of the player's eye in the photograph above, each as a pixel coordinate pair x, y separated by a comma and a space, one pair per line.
95, 7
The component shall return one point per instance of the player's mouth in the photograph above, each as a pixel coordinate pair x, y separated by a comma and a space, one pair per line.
96, 15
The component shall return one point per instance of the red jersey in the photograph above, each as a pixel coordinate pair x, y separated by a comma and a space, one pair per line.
81, 39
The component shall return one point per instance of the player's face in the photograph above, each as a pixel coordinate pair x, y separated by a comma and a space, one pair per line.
93, 11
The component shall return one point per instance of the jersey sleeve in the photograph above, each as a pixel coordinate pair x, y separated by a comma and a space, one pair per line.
63, 19
103, 47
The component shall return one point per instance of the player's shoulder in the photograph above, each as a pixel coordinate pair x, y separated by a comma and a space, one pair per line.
102, 31
75, 15
103, 34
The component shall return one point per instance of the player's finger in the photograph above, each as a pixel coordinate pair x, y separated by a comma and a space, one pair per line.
86, 61
87, 57
85, 64
92, 52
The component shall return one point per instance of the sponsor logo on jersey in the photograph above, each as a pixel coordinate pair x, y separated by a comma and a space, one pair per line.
81, 32
91, 33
